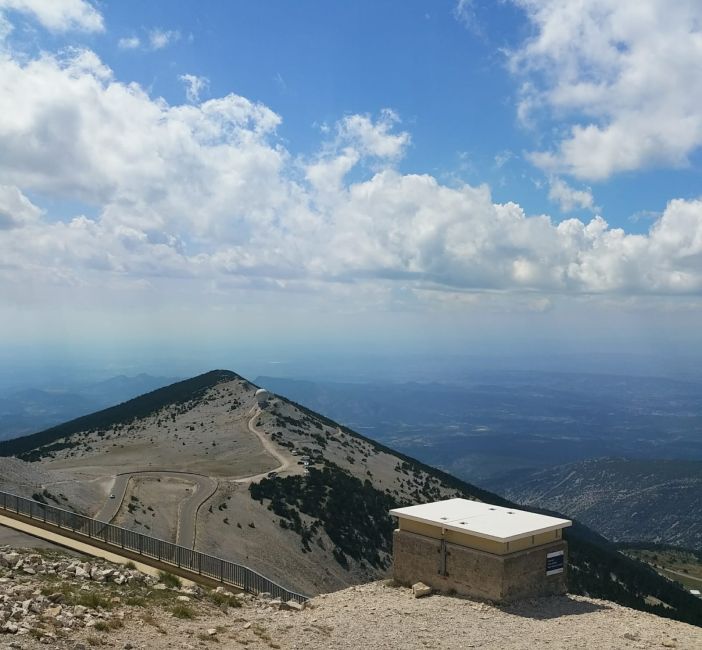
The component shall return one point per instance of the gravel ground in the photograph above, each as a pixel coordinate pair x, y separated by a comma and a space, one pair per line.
377, 616
380, 617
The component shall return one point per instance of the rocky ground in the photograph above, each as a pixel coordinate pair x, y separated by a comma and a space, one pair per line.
49, 599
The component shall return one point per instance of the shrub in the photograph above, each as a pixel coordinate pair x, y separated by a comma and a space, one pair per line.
170, 580
93, 600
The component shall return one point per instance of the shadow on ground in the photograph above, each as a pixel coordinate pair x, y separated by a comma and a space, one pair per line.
551, 607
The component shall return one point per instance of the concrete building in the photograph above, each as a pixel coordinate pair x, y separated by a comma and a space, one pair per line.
480, 550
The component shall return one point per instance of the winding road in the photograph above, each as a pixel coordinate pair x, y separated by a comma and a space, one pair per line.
287, 463
205, 487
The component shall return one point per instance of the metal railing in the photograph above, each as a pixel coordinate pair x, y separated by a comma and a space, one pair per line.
186, 559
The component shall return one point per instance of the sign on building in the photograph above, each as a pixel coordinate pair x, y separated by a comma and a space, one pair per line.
554, 563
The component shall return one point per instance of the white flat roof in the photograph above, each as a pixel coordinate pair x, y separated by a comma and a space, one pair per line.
481, 519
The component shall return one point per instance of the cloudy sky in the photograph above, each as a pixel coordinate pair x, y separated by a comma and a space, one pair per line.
465, 174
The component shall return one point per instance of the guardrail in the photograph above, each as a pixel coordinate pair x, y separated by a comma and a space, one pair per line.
194, 562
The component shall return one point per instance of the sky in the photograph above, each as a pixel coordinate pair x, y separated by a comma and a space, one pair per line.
378, 176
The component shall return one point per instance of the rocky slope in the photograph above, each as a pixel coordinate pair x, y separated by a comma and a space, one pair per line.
624, 499
63, 603
314, 528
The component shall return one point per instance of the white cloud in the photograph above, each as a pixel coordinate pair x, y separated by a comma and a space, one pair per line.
205, 196
16, 210
194, 85
503, 158
374, 138
129, 43
623, 77
464, 12
59, 15
160, 38
568, 198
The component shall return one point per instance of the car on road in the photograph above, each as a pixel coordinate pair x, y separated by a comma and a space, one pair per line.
112, 496
272, 474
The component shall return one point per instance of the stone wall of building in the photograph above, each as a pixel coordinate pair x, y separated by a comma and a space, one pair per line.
450, 567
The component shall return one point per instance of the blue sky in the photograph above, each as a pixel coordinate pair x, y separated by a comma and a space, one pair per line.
483, 174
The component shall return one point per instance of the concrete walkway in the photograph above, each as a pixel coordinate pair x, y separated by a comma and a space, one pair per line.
75, 545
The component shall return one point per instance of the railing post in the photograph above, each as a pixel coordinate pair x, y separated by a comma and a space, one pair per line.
221, 570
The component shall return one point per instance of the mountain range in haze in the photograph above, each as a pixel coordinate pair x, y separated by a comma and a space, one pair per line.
28, 409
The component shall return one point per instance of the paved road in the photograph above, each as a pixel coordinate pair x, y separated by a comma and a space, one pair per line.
288, 463
683, 575
205, 487
186, 526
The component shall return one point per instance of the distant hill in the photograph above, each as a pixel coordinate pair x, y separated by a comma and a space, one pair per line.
317, 528
626, 500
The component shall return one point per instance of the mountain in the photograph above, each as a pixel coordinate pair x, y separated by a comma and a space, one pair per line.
623, 499
213, 461
25, 410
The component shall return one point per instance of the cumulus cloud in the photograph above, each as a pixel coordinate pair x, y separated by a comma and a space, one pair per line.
194, 85
374, 138
59, 15
568, 198
160, 38
208, 195
623, 77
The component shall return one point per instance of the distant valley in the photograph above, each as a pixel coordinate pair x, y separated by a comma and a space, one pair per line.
487, 425
27, 409
625, 500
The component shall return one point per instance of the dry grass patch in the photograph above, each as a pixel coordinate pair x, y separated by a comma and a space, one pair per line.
150, 619
183, 611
